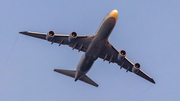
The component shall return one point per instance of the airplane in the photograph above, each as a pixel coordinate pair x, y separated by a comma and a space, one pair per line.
94, 47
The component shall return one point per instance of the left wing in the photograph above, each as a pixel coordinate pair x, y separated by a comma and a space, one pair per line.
111, 54
80, 43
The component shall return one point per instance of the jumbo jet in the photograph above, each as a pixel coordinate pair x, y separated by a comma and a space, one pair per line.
94, 47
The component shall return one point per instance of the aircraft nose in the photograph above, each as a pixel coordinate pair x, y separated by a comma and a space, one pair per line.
114, 13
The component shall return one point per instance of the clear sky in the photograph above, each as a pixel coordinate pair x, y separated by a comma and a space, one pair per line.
149, 31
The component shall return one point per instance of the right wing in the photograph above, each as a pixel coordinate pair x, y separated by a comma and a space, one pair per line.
111, 54
80, 43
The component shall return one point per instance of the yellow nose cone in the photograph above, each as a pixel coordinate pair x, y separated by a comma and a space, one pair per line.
114, 13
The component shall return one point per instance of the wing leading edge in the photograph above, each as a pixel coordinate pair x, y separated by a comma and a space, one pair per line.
111, 54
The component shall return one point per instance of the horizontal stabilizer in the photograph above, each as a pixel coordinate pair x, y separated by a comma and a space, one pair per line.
86, 79
72, 73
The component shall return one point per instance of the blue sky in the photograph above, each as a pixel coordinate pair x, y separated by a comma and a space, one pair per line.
147, 30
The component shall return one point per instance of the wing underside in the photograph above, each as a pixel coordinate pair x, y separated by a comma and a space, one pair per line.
110, 54
80, 43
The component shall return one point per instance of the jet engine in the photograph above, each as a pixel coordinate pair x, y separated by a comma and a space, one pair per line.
121, 55
72, 36
50, 35
136, 67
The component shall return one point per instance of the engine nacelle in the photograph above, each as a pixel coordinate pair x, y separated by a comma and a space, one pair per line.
50, 35
136, 67
121, 55
72, 36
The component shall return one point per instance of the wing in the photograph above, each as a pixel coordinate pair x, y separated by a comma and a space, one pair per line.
80, 43
111, 54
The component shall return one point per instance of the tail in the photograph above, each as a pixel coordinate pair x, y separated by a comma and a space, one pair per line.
72, 73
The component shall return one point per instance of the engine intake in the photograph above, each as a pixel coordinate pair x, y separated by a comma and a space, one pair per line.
121, 55
72, 36
50, 35
136, 67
